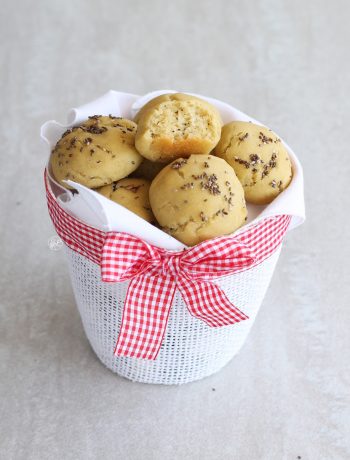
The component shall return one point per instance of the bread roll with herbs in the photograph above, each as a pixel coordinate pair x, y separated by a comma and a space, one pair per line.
198, 198
132, 193
259, 158
176, 125
98, 152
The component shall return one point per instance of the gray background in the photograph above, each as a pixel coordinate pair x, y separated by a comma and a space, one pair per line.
287, 393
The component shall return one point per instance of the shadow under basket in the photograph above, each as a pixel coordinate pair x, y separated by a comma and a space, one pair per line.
190, 349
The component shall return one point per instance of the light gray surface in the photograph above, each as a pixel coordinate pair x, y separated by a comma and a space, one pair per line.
287, 393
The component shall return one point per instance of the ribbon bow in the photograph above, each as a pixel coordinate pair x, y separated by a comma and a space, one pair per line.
155, 274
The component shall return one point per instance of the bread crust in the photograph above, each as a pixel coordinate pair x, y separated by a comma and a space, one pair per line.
133, 194
197, 198
98, 152
259, 158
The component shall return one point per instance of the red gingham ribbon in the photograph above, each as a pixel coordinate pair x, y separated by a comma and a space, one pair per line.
155, 274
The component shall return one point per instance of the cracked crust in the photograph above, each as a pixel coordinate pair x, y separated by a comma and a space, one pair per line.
133, 194
176, 125
259, 158
96, 153
198, 198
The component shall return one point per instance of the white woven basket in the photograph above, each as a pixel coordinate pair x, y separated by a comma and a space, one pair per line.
190, 350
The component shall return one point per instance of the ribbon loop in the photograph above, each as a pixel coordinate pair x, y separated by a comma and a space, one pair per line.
124, 257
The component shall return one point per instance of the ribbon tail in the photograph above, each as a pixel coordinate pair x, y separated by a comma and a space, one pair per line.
145, 316
207, 302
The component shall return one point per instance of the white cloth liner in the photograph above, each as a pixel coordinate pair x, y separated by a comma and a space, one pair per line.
100, 212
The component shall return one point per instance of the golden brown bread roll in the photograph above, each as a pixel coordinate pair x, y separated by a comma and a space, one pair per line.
259, 158
99, 151
132, 193
198, 198
176, 125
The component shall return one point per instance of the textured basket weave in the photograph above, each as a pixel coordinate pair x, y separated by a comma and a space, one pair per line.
190, 350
